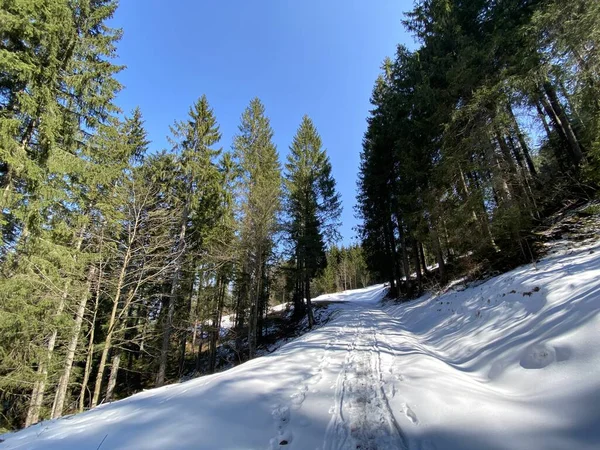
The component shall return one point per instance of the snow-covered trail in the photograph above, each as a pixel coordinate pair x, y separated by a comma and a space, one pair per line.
327, 390
361, 413
346, 384
511, 363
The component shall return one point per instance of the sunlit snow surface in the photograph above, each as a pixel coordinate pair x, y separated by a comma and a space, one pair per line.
513, 363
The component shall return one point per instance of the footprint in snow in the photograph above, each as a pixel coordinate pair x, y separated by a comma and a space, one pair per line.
281, 415
409, 413
315, 378
297, 399
282, 440
392, 390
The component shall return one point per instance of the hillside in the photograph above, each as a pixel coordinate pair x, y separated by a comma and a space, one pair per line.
510, 363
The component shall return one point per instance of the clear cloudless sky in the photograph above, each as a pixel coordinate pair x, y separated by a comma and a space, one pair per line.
315, 57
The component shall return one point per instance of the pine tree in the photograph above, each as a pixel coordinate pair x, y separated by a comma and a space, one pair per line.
198, 191
114, 149
52, 107
259, 197
313, 207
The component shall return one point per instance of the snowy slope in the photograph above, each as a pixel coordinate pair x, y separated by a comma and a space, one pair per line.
513, 363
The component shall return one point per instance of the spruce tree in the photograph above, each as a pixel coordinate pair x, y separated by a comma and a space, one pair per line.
52, 107
198, 187
259, 199
313, 207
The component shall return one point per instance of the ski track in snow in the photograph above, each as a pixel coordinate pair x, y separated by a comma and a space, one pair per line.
361, 414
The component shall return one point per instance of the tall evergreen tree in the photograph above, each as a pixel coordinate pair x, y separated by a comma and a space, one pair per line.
198, 191
313, 207
447, 167
259, 199
57, 89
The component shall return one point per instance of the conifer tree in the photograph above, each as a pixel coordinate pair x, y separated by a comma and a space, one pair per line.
259, 199
313, 207
52, 107
198, 191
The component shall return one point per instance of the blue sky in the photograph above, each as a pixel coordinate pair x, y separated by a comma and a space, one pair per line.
315, 57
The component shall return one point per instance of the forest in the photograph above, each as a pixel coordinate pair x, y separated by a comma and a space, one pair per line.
489, 125
118, 260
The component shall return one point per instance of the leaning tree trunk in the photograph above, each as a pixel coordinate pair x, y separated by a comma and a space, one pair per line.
111, 327
483, 221
522, 142
558, 116
37, 396
39, 388
90, 351
63, 384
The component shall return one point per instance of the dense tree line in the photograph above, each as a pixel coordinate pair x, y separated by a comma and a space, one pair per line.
478, 133
117, 261
346, 269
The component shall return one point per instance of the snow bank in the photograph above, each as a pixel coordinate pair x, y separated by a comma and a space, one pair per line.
512, 363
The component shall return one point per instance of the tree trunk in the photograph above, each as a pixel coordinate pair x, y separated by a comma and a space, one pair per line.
422, 256
199, 355
483, 221
252, 328
111, 326
439, 255
112, 379
405, 260
391, 269
524, 179
63, 384
299, 306
184, 333
90, 352
311, 317
37, 396
39, 388
561, 121
394, 249
542, 117
212, 364
168, 322
419, 275
522, 142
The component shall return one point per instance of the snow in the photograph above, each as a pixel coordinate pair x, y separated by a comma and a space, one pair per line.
228, 321
510, 363
280, 307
